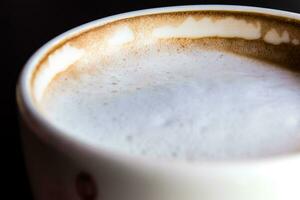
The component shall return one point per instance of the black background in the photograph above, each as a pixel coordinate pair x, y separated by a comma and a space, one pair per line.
25, 26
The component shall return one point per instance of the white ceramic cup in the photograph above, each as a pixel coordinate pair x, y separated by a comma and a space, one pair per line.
62, 167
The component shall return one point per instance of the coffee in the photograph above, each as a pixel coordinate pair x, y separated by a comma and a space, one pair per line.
190, 86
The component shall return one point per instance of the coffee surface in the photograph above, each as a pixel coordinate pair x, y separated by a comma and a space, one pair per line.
191, 104
205, 85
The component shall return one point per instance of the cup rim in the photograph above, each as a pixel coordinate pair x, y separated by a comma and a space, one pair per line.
49, 133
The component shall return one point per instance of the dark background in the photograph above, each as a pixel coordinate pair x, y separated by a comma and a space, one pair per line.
28, 24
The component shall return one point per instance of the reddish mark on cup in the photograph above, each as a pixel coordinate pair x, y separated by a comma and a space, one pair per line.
86, 186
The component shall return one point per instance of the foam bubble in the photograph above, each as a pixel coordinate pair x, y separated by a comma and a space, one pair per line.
188, 104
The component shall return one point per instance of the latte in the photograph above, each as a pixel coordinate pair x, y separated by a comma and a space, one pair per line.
189, 86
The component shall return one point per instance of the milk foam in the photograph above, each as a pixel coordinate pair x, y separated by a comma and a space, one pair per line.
188, 105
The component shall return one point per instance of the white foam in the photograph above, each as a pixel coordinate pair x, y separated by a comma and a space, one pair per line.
228, 27
295, 41
57, 62
273, 37
188, 105
207, 27
121, 36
